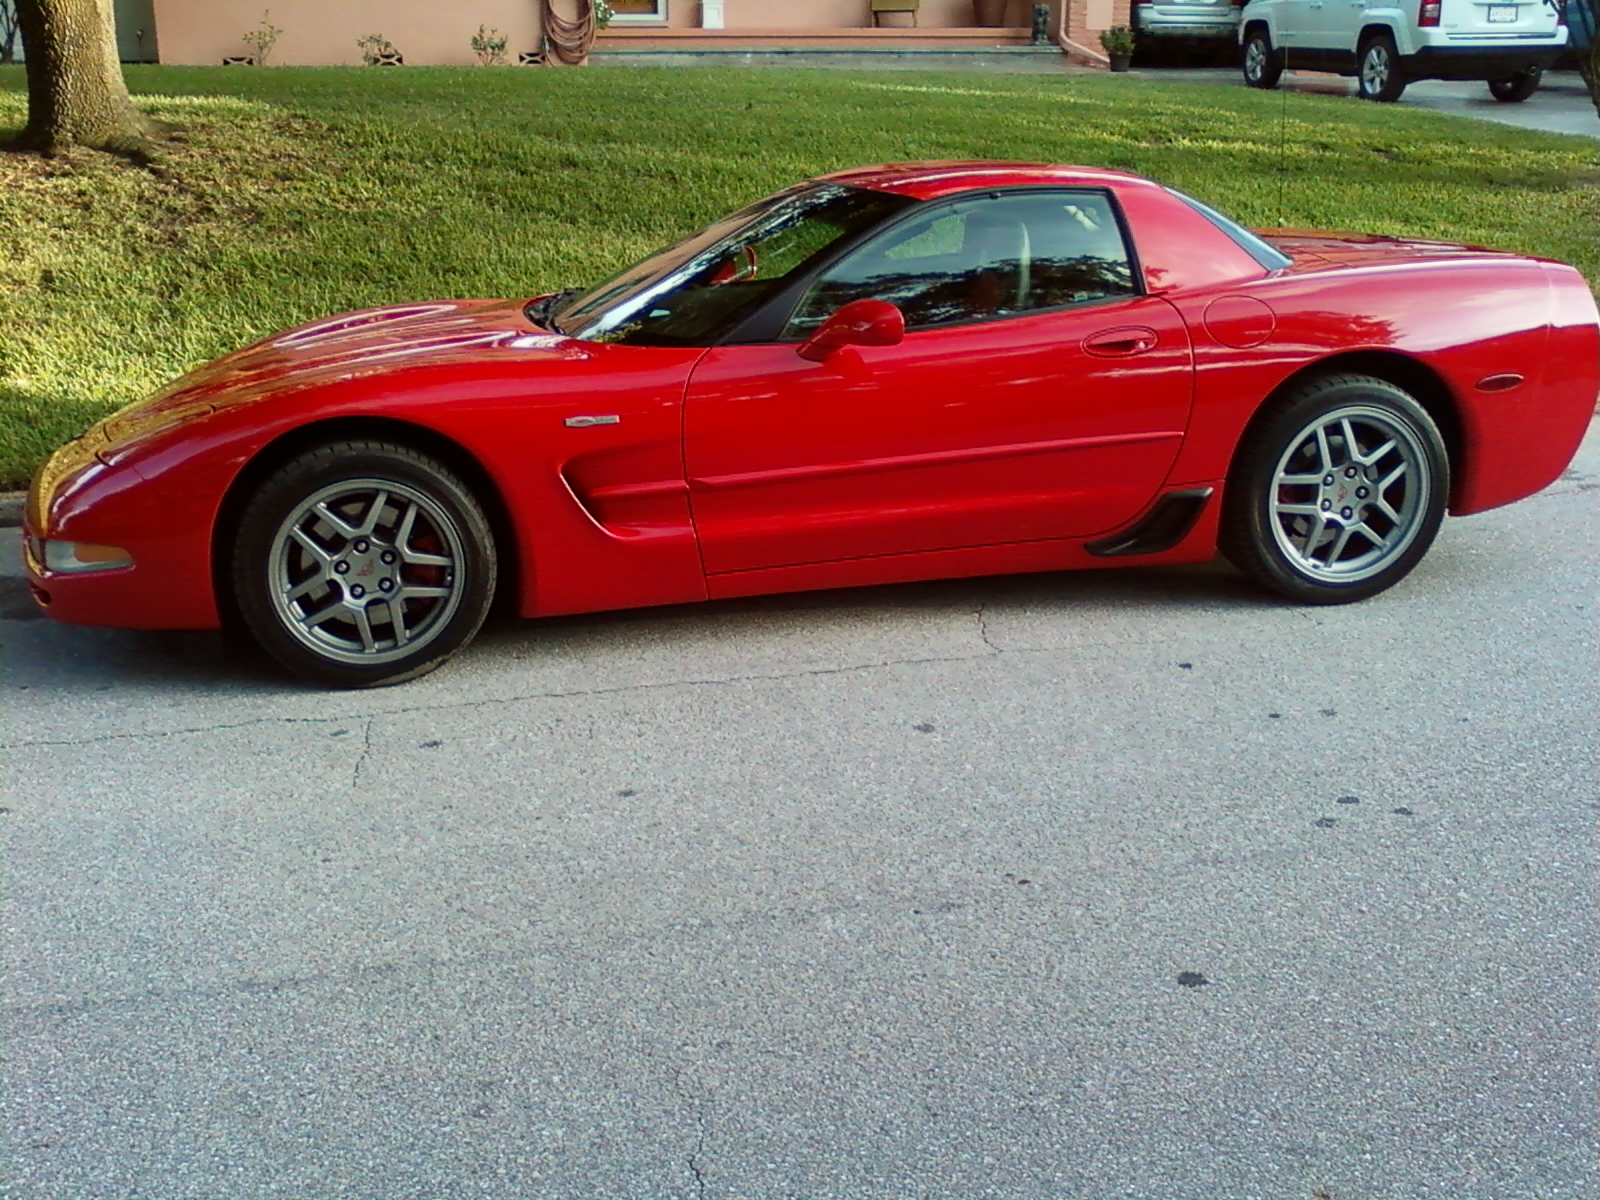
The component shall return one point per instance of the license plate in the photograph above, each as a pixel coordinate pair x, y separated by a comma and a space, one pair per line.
1502, 14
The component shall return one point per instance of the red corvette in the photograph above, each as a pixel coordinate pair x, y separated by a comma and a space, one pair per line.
892, 373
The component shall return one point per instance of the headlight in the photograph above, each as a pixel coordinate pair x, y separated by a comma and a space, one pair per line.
78, 557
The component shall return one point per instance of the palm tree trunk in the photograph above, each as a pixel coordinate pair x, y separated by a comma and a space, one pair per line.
76, 93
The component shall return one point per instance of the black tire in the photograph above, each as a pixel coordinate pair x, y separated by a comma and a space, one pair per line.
1317, 509
362, 563
1262, 65
1379, 74
1518, 87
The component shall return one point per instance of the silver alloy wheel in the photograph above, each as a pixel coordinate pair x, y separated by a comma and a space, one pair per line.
1375, 68
1349, 494
1255, 60
366, 571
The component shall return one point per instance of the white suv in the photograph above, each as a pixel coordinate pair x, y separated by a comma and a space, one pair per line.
1509, 43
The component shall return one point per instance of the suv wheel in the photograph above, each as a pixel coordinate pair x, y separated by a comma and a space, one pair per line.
1262, 64
1518, 87
1381, 77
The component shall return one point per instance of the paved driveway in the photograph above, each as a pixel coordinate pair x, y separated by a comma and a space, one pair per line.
1561, 105
1107, 885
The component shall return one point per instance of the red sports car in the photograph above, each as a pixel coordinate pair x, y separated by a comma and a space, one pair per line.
892, 373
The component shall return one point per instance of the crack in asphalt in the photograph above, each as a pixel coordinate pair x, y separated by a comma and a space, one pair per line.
983, 628
697, 1107
366, 751
577, 693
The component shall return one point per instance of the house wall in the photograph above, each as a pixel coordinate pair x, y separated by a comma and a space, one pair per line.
324, 32
833, 14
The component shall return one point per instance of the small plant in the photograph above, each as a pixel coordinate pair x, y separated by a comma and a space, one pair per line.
490, 47
602, 13
262, 40
377, 50
1117, 41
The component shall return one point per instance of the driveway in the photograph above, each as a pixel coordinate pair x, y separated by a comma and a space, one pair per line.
1117, 884
1561, 105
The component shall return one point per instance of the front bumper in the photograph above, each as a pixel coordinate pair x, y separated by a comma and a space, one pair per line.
76, 497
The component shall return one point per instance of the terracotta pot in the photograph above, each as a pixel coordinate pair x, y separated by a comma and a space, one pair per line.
991, 14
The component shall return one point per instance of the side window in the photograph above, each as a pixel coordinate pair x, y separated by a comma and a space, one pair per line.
991, 257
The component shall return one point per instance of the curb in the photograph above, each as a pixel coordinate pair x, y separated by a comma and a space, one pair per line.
11, 508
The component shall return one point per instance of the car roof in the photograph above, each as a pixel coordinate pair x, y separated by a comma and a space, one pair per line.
932, 180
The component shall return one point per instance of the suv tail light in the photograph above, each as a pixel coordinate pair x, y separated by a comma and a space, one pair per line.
1428, 14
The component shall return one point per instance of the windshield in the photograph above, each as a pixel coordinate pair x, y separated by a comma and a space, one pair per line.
687, 294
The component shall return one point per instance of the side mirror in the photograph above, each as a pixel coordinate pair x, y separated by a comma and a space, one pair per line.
859, 323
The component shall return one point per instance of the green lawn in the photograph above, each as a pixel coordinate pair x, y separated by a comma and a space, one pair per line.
298, 192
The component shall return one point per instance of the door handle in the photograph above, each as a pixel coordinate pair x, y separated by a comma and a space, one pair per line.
1118, 343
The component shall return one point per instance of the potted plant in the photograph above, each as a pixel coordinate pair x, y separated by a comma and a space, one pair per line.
1117, 42
490, 46
378, 51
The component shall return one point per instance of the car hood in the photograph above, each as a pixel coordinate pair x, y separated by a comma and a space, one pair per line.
1318, 249
373, 341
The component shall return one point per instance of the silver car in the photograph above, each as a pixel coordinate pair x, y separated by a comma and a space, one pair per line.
1175, 20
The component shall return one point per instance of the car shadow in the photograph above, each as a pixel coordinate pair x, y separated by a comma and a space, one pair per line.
1208, 586
38, 655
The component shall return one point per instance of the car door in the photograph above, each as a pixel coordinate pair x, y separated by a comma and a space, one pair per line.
1035, 395
1295, 23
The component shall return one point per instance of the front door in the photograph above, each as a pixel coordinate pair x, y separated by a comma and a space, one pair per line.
1036, 396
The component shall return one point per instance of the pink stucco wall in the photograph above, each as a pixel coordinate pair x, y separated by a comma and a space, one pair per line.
828, 14
324, 32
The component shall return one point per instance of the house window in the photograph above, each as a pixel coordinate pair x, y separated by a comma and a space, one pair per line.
645, 12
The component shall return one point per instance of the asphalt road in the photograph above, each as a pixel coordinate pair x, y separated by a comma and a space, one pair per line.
1102, 885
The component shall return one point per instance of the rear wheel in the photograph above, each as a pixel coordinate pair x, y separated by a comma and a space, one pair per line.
1337, 493
1262, 65
1381, 77
1518, 87
361, 563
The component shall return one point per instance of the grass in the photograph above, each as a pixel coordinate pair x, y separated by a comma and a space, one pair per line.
299, 192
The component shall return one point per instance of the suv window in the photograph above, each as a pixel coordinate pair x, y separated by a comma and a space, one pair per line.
997, 256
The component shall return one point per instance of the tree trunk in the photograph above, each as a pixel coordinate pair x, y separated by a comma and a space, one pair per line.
76, 93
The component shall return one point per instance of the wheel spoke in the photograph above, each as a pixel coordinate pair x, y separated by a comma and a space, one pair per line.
402, 543
413, 591
1352, 448
1322, 448
310, 545
346, 530
397, 619
313, 619
1388, 480
370, 521
364, 628
1386, 509
1313, 537
1299, 510
306, 588
1300, 480
1367, 460
1378, 543
1339, 543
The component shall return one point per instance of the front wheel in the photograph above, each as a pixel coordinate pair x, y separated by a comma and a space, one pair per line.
1518, 87
1380, 77
363, 563
1263, 66
1337, 492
